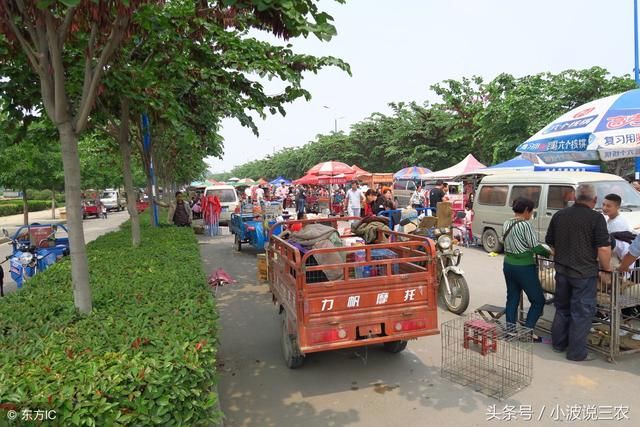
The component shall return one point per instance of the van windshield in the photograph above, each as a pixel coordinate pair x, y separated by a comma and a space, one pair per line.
225, 195
108, 195
630, 197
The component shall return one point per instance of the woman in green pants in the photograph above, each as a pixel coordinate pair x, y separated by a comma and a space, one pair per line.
520, 271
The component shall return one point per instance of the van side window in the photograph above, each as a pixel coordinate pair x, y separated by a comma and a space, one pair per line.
495, 195
531, 192
559, 196
401, 184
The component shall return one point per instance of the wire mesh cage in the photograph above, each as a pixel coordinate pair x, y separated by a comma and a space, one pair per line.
492, 357
272, 209
616, 325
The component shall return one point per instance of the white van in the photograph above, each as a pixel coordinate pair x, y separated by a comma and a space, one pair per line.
113, 199
403, 190
228, 199
550, 191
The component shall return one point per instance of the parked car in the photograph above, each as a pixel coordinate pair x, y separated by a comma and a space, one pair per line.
404, 188
113, 199
550, 192
89, 208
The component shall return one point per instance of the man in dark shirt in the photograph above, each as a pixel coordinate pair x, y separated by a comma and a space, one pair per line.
179, 211
580, 239
301, 197
436, 194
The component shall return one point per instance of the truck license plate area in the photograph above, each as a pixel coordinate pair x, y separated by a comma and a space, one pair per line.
365, 331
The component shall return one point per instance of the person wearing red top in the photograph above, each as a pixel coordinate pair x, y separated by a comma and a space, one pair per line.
370, 197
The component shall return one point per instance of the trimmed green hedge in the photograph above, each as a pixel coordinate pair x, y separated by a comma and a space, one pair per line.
145, 355
44, 195
14, 207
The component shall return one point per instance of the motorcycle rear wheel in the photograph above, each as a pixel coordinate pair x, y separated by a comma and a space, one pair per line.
458, 301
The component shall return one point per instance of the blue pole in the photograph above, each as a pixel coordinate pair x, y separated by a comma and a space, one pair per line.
146, 143
636, 67
635, 42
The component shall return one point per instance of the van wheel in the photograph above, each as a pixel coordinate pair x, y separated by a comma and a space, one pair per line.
490, 241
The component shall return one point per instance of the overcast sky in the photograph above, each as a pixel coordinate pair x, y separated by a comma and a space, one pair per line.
397, 52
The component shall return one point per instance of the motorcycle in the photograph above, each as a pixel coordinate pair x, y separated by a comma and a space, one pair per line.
35, 248
453, 289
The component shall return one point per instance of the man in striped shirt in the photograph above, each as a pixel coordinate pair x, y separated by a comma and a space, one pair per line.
520, 273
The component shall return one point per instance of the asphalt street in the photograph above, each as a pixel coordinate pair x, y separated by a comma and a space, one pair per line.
93, 227
368, 387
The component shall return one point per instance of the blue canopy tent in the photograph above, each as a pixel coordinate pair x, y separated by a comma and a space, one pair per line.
520, 163
279, 179
517, 162
567, 167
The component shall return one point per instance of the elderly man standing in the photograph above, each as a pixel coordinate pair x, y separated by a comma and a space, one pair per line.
580, 240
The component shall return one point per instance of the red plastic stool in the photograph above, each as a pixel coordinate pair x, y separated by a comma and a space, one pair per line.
482, 333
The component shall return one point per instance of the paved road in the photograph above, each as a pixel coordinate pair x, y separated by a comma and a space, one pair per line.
374, 388
92, 229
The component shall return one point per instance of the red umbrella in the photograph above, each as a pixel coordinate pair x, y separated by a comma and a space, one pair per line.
307, 179
335, 179
330, 168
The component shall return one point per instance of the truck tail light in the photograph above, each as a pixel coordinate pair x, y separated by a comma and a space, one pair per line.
328, 335
251, 228
409, 325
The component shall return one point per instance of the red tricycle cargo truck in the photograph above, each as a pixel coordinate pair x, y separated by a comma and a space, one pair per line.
352, 295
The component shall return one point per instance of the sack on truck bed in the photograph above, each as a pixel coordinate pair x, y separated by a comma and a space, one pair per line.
318, 236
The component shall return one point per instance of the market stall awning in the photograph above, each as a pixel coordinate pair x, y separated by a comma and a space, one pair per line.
308, 179
279, 180
517, 163
567, 167
359, 171
412, 172
468, 164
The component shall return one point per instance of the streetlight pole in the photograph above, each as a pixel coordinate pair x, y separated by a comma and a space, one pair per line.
335, 119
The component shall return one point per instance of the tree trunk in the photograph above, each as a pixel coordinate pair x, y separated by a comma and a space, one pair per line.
79, 264
25, 207
53, 203
125, 151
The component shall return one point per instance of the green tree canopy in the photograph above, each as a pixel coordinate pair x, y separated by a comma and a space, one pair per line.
488, 119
